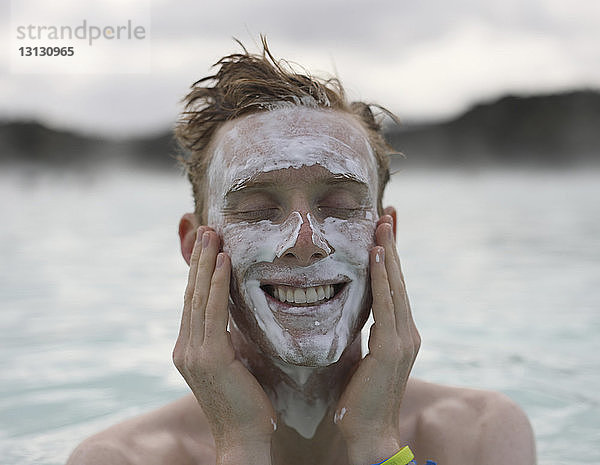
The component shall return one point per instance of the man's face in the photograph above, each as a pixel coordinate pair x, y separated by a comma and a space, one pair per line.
293, 194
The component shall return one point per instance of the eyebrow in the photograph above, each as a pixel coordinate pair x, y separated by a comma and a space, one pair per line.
254, 182
346, 178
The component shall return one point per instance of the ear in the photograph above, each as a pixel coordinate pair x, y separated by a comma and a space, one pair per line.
187, 235
392, 212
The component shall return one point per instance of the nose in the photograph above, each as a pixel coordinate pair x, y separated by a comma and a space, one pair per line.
308, 248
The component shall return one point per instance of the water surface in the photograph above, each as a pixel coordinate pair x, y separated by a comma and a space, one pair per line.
502, 269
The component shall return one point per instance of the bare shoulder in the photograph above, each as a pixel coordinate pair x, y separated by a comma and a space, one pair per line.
175, 433
460, 425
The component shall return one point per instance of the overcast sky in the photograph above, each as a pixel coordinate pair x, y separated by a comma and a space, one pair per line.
422, 59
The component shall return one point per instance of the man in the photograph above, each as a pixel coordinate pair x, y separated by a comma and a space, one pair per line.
290, 249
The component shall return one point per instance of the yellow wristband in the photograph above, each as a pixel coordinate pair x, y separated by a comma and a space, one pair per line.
403, 457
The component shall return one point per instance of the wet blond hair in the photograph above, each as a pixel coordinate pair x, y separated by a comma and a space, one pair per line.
250, 83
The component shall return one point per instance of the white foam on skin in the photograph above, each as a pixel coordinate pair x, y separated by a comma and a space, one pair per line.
294, 138
338, 325
244, 152
249, 244
339, 415
302, 413
317, 238
298, 413
295, 221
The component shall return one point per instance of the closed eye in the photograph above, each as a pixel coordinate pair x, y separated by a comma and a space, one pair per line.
342, 200
256, 215
251, 205
339, 212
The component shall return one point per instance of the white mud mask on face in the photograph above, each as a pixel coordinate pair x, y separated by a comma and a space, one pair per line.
307, 314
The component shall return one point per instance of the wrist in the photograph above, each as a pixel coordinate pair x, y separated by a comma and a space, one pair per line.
372, 451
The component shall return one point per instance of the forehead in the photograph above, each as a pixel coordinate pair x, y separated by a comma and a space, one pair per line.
290, 138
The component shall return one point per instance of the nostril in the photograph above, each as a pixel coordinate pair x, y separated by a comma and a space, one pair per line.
315, 256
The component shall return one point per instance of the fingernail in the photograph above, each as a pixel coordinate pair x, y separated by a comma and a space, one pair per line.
220, 260
198, 235
205, 239
379, 255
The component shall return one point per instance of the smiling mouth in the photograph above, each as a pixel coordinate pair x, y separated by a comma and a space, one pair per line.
303, 296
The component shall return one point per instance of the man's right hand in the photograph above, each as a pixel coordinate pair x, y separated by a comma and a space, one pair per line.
240, 414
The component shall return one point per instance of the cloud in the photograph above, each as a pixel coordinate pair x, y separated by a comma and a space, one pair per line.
424, 60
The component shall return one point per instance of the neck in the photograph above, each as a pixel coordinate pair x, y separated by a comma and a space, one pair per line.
305, 398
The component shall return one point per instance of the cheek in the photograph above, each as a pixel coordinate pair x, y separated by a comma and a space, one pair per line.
351, 240
250, 243
246, 244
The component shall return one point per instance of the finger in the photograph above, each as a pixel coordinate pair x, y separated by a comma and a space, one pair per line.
217, 312
404, 321
384, 237
391, 212
383, 307
206, 266
184, 328
189, 290
384, 219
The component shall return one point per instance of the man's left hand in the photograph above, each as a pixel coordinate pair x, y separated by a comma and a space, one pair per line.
368, 410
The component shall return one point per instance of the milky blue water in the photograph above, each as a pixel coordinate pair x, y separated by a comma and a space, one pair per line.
502, 268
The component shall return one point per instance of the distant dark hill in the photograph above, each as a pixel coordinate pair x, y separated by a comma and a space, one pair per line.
33, 143
543, 130
561, 129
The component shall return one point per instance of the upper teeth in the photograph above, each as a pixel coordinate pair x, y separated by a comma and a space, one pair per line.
303, 295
